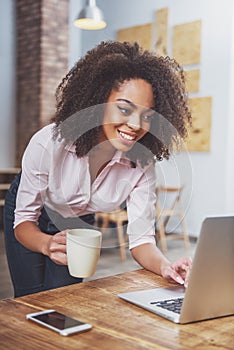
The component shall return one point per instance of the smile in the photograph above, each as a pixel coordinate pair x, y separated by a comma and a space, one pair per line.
126, 137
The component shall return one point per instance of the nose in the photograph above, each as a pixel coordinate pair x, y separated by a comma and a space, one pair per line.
134, 121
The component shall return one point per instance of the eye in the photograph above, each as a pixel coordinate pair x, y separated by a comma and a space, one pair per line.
147, 117
125, 111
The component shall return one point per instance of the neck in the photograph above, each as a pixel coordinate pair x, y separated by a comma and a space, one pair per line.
104, 149
99, 157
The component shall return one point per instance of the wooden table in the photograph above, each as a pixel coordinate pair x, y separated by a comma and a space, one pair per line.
116, 323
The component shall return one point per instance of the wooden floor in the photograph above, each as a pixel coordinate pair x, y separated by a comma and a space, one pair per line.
109, 262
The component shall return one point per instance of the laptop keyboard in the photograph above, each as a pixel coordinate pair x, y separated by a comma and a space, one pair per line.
170, 304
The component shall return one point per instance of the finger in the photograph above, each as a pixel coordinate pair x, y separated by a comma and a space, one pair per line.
62, 233
188, 262
186, 280
185, 267
59, 239
58, 248
172, 275
177, 278
59, 258
183, 264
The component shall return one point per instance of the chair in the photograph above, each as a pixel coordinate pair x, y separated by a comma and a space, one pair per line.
118, 217
172, 197
6, 178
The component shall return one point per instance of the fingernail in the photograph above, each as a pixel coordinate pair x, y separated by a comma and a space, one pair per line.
180, 280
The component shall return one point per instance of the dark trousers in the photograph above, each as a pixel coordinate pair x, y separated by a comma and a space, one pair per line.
34, 272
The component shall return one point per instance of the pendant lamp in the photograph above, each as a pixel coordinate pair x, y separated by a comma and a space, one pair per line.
90, 17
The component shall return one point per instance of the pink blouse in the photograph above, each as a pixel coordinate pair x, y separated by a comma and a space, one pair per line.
53, 175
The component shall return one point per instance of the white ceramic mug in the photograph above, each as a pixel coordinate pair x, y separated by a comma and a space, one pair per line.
83, 251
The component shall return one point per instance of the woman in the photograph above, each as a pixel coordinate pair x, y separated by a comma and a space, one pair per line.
118, 111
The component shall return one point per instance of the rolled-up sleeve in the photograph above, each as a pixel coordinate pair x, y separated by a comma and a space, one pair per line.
141, 210
34, 178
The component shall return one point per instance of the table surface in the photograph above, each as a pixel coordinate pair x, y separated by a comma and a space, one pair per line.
117, 324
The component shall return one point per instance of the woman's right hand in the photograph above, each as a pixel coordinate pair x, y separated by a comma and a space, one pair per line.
56, 248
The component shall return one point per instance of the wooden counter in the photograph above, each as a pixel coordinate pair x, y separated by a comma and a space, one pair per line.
117, 324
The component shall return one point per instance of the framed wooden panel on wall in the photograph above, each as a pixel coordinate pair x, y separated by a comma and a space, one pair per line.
186, 43
200, 134
142, 34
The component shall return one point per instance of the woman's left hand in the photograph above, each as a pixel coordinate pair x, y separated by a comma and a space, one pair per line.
178, 271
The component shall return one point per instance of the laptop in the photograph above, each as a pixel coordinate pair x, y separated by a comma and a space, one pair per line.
210, 292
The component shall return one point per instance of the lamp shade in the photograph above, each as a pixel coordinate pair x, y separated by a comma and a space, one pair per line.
90, 17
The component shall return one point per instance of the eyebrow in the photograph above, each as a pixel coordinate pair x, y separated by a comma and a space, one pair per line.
133, 104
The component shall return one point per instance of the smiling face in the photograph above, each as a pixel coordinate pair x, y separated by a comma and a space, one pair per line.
128, 114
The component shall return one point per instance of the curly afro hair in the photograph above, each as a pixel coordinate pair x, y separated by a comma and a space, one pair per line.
86, 88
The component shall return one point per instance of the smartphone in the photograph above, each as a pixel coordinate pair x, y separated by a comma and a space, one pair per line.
58, 322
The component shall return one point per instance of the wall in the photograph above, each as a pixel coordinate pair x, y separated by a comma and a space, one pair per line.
230, 164
39, 30
41, 62
207, 175
75, 34
7, 84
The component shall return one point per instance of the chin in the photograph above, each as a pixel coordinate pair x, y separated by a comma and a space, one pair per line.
119, 146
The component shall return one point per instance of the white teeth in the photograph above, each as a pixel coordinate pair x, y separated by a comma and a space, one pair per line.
127, 137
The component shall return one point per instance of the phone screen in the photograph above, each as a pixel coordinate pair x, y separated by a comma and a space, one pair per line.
58, 320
